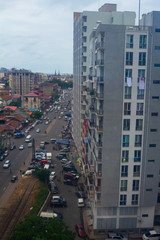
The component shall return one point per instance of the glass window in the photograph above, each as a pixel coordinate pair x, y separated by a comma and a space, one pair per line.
140, 93
138, 140
125, 141
136, 170
128, 91
142, 59
126, 124
128, 74
156, 81
123, 199
129, 58
124, 171
155, 114
129, 41
137, 156
134, 199
123, 185
143, 41
139, 124
127, 108
135, 185
139, 110
141, 74
125, 156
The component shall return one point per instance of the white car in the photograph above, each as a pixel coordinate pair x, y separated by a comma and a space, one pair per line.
116, 236
30, 144
38, 130
7, 164
21, 147
46, 122
52, 176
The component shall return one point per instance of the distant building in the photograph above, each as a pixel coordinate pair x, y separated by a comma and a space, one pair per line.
33, 100
21, 81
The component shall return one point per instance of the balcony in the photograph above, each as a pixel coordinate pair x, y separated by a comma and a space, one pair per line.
92, 125
100, 79
99, 45
99, 111
100, 95
99, 158
98, 188
99, 143
99, 62
99, 128
98, 174
92, 93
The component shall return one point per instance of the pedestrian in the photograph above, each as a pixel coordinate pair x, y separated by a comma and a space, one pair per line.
24, 163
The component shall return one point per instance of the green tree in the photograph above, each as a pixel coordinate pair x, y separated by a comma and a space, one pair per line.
38, 228
37, 114
42, 174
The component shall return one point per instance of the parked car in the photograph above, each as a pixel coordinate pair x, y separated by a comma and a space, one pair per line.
2, 157
116, 236
52, 176
7, 164
30, 144
70, 182
13, 147
53, 187
80, 195
65, 150
80, 202
70, 176
80, 230
6, 153
38, 130
21, 147
52, 140
58, 201
14, 178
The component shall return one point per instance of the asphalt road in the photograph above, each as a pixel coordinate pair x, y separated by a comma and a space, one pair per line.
21, 158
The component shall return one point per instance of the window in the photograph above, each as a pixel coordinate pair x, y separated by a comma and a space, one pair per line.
138, 140
157, 29
152, 145
148, 189
143, 41
127, 108
157, 65
141, 74
123, 199
125, 156
139, 124
155, 97
128, 74
157, 47
126, 124
151, 160
125, 141
139, 110
129, 58
140, 93
84, 18
128, 91
153, 130
129, 41
156, 81
137, 156
150, 176
124, 171
136, 170
142, 59
135, 185
155, 114
134, 199
144, 215
123, 185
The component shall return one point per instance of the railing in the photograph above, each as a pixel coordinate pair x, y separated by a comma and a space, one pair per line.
100, 95
99, 62
100, 79
99, 111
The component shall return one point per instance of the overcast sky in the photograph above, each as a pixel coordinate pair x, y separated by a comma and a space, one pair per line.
38, 34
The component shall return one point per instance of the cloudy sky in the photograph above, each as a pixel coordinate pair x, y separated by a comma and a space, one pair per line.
38, 34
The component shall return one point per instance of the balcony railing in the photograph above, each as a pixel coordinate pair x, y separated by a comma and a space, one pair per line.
99, 45
100, 79
99, 111
99, 62
100, 95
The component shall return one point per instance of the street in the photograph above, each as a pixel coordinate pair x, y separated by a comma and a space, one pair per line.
20, 160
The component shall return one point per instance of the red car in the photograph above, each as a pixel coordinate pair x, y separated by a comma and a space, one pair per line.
80, 230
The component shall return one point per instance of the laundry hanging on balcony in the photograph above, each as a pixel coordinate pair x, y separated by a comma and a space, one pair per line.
129, 82
141, 83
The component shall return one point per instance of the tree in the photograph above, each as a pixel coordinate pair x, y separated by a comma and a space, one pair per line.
37, 114
38, 228
42, 174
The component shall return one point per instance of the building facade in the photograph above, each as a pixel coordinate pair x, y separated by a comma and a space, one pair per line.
21, 81
122, 171
84, 23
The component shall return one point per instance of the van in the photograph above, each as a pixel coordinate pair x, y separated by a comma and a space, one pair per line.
151, 235
46, 166
80, 202
28, 138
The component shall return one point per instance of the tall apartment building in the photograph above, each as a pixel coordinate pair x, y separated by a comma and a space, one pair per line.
84, 23
21, 81
122, 167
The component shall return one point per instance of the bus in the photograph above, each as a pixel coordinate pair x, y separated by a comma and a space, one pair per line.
28, 138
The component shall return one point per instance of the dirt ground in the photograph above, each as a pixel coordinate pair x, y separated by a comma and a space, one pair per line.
18, 205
